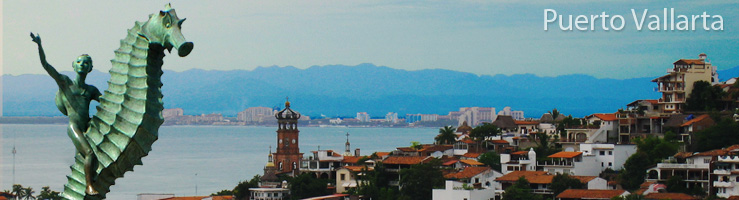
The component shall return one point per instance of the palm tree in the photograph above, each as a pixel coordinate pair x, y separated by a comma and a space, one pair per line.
28, 193
18, 191
446, 135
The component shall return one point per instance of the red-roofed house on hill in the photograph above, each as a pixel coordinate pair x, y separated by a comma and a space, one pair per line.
692, 125
518, 161
715, 171
577, 194
677, 85
393, 165
540, 181
482, 179
571, 163
641, 118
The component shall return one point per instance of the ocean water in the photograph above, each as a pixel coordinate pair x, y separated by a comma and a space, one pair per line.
186, 160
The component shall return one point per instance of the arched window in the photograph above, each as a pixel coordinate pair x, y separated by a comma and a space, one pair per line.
280, 165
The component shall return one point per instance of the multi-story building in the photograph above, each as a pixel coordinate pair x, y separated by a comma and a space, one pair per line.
476, 115
641, 118
323, 163
255, 114
725, 174
411, 118
591, 160
677, 85
693, 168
469, 183
516, 114
391, 117
541, 181
363, 117
172, 113
518, 161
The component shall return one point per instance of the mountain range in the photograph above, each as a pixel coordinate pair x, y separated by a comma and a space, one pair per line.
339, 90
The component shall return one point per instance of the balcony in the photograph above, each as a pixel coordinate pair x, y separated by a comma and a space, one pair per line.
723, 184
556, 163
721, 172
681, 166
731, 159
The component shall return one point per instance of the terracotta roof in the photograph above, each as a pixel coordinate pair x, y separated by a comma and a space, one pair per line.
718, 152
606, 116
520, 153
733, 198
499, 141
405, 160
526, 122
433, 148
590, 194
472, 155
451, 162
382, 154
353, 159
407, 149
471, 162
683, 154
224, 197
537, 177
468, 141
651, 101
358, 168
673, 196
694, 120
467, 173
690, 61
675, 120
332, 196
584, 179
564, 154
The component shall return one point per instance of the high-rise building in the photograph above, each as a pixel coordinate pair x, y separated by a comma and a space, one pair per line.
677, 85
288, 156
363, 117
255, 114
391, 117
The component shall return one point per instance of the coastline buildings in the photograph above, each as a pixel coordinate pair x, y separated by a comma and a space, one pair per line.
256, 115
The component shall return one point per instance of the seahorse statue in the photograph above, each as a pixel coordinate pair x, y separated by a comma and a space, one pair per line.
130, 111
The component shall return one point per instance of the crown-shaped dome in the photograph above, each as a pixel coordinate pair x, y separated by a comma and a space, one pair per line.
287, 113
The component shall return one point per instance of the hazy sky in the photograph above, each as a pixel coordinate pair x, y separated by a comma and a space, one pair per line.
482, 37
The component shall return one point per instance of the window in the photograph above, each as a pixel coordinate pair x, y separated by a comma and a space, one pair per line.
602, 153
706, 160
601, 164
610, 164
477, 180
566, 171
610, 153
343, 177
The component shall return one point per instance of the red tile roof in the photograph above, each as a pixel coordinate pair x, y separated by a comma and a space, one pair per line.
451, 162
733, 198
498, 141
537, 177
471, 162
584, 179
694, 120
564, 154
333, 196
590, 194
520, 153
353, 159
472, 155
433, 148
405, 160
407, 149
467, 173
382, 154
224, 197
690, 62
673, 196
606, 116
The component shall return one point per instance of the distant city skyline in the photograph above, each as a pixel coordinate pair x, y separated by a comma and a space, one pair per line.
480, 37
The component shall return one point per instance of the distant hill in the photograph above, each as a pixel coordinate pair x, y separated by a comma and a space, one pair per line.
338, 90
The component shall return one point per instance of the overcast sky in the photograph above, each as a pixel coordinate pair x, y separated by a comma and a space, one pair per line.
481, 37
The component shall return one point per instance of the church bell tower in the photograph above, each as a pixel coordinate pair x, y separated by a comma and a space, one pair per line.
287, 158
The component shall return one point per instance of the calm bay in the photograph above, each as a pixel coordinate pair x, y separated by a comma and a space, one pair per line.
209, 158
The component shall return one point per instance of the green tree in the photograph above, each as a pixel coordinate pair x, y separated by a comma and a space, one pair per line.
223, 192
544, 146
18, 191
418, 181
676, 184
521, 190
634, 170
28, 193
305, 185
490, 159
726, 130
446, 135
375, 184
484, 130
704, 97
562, 182
241, 191
416, 145
554, 113
567, 122
656, 148
48, 194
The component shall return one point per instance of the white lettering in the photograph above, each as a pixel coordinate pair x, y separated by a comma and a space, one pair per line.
718, 25
581, 19
547, 20
639, 23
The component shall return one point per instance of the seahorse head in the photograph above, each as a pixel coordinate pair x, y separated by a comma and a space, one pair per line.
164, 28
